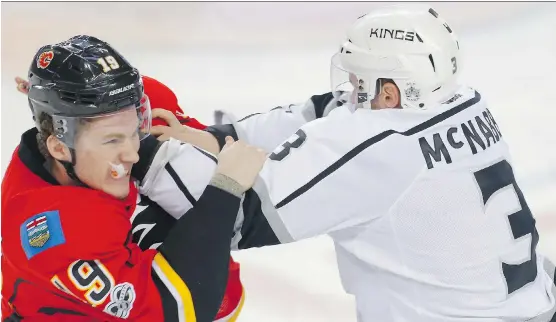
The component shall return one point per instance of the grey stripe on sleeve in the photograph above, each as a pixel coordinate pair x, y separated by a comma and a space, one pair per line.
271, 213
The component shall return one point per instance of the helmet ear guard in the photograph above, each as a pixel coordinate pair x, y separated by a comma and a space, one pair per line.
362, 81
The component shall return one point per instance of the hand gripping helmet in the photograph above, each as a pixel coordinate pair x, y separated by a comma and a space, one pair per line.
409, 45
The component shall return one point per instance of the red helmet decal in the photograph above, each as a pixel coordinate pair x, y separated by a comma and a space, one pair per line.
44, 59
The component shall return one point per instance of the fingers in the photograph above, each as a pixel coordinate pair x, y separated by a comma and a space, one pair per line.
229, 139
229, 142
163, 137
22, 89
20, 80
167, 116
22, 85
158, 130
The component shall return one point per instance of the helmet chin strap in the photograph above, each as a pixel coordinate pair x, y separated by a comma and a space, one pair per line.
70, 169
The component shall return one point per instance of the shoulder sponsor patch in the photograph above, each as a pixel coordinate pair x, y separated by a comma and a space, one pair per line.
41, 232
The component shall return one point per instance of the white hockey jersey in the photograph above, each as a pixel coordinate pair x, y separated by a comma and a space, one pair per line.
427, 218
428, 221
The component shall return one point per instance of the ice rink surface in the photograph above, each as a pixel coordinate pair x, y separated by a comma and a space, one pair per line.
250, 57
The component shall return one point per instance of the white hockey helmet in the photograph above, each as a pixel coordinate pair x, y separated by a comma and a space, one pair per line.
410, 45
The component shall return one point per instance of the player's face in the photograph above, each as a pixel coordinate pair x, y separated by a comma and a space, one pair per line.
108, 140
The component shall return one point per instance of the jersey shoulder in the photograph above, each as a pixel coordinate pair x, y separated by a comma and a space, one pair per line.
58, 222
402, 125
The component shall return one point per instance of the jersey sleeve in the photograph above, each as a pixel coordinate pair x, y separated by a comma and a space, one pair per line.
177, 176
151, 224
267, 130
321, 180
173, 182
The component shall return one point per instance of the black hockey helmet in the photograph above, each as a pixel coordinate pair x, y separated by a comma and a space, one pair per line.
84, 77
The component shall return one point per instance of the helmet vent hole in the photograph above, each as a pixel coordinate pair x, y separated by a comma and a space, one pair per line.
76, 68
68, 96
88, 98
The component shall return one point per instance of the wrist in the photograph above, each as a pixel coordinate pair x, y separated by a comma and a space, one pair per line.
227, 184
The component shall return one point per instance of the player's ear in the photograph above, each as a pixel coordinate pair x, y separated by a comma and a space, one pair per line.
391, 95
57, 149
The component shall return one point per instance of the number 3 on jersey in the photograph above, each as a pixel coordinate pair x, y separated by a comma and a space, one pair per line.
295, 142
492, 180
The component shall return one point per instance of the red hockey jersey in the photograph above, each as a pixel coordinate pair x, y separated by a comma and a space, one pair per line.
63, 260
37, 296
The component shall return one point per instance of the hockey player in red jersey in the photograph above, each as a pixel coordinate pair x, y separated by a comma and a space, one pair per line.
162, 97
67, 200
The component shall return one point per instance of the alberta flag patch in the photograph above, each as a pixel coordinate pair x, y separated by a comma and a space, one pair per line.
41, 232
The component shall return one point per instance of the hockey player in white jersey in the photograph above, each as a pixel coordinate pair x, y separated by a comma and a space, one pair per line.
414, 184
412, 180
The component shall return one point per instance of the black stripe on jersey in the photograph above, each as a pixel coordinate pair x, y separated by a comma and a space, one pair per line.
16, 286
128, 240
147, 151
49, 310
14, 317
220, 132
288, 110
169, 305
248, 116
320, 102
179, 183
210, 156
60, 293
207, 154
371, 141
255, 230
153, 214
